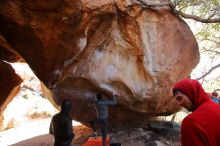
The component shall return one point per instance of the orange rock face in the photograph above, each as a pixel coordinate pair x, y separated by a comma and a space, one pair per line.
7, 53
9, 86
81, 47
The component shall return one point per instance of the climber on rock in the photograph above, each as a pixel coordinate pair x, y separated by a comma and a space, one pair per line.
101, 107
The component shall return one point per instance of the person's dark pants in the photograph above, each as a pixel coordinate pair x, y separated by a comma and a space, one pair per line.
63, 143
103, 124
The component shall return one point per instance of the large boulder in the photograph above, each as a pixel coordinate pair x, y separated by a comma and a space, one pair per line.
9, 87
137, 49
7, 53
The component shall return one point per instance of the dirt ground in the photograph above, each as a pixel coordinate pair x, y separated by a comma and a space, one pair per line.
35, 133
41, 140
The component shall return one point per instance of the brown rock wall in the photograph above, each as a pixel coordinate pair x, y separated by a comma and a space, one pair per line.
7, 53
9, 86
81, 47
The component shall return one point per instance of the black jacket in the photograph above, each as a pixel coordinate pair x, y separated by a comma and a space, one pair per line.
61, 128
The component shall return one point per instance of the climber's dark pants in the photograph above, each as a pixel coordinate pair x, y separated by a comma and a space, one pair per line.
64, 143
103, 124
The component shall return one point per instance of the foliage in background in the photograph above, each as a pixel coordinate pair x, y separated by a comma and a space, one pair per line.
203, 17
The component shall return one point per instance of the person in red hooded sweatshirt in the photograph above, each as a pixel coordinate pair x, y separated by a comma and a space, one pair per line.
201, 127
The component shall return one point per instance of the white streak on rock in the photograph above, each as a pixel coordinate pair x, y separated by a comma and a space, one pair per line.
82, 43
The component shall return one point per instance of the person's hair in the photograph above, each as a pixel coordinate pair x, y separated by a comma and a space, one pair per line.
99, 96
66, 105
175, 91
215, 94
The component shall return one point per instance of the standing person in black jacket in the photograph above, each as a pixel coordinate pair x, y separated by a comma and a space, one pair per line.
101, 106
61, 125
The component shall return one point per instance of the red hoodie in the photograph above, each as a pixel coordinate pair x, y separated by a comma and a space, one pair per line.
201, 127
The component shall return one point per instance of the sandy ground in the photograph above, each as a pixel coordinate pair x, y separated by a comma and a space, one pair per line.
30, 118
28, 115
30, 134
42, 140
33, 133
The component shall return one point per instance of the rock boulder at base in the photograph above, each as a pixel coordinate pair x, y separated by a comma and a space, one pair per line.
9, 87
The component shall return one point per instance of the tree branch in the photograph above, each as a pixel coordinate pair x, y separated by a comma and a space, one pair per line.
197, 18
204, 75
209, 50
210, 19
154, 4
210, 40
184, 15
